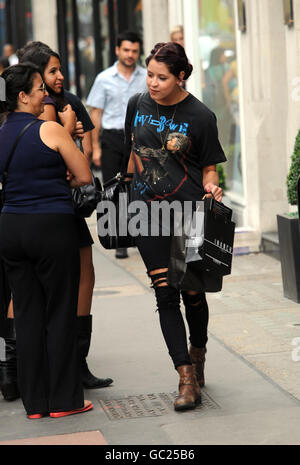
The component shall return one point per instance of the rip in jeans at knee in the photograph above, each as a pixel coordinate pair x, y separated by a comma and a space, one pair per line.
158, 279
193, 300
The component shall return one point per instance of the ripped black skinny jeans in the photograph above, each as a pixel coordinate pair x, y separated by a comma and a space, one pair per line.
155, 253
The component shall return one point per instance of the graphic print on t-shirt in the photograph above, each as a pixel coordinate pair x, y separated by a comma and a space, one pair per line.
170, 147
162, 171
162, 123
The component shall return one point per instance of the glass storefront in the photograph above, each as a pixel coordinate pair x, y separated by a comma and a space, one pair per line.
220, 87
105, 36
2, 26
15, 23
28, 21
87, 37
70, 47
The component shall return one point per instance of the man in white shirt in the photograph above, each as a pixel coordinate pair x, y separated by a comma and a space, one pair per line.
108, 100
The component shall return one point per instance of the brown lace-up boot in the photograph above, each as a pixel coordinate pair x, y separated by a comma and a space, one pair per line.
197, 356
189, 391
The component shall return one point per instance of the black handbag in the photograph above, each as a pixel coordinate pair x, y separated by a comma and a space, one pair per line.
202, 268
86, 198
112, 213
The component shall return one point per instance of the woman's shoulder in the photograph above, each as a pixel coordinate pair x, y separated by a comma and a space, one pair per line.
51, 127
139, 96
49, 100
198, 109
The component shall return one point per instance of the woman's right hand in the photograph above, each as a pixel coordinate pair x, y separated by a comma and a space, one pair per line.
68, 119
96, 157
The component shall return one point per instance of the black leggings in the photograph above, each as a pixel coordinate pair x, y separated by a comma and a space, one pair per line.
155, 253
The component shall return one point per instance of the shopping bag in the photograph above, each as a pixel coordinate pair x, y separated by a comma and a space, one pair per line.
201, 256
217, 248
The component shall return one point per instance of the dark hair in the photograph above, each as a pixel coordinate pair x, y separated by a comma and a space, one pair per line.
17, 78
37, 53
130, 36
174, 57
215, 56
4, 62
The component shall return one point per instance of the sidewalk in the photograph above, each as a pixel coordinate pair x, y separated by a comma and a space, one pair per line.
252, 393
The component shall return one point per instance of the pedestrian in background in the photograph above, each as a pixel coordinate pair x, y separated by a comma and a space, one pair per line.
177, 35
59, 106
108, 100
10, 54
39, 246
174, 146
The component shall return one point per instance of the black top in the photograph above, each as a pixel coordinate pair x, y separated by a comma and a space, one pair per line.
77, 107
36, 181
189, 133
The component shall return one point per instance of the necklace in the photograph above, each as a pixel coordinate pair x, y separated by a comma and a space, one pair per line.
163, 142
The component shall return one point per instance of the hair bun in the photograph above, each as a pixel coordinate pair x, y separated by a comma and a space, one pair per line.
188, 71
173, 56
157, 47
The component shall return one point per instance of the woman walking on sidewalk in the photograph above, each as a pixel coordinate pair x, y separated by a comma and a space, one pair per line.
174, 146
39, 245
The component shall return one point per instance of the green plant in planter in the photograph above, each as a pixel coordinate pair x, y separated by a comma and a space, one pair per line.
293, 175
222, 177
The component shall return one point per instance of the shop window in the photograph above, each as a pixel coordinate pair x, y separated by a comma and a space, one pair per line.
70, 47
220, 90
87, 37
86, 45
15, 23
2, 26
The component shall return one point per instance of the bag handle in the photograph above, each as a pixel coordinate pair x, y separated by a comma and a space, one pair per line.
206, 194
5, 172
132, 106
119, 177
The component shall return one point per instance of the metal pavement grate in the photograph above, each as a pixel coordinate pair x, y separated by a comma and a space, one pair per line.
148, 405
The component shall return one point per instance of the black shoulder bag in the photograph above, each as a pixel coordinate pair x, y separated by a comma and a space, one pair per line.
86, 198
5, 172
112, 210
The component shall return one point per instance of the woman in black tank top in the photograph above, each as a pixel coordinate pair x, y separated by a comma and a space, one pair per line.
39, 246
57, 108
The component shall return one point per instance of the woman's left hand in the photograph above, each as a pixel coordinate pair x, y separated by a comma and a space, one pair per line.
215, 190
79, 132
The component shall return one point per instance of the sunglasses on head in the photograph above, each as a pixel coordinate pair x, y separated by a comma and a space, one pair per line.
43, 87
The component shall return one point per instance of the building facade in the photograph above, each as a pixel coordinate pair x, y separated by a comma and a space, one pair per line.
246, 68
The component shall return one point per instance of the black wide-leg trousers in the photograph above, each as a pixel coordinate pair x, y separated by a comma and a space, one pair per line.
113, 153
42, 261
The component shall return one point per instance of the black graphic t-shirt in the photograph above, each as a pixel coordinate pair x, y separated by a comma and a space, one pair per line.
171, 145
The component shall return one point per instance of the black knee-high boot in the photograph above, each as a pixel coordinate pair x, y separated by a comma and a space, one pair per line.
84, 339
8, 365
